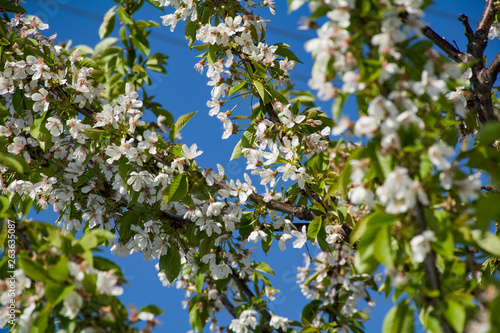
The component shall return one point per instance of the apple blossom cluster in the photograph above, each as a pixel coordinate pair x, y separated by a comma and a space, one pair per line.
106, 284
48, 131
234, 38
387, 115
330, 281
214, 298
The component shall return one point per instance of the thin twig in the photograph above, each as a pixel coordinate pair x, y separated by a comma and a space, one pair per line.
468, 30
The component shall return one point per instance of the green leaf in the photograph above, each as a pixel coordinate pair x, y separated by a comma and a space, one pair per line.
212, 54
14, 162
108, 23
157, 63
88, 241
264, 267
105, 44
201, 47
89, 282
122, 14
176, 190
342, 212
10, 7
179, 124
95, 237
33, 269
172, 264
284, 51
246, 141
455, 315
95, 134
39, 131
314, 228
42, 320
104, 264
487, 210
337, 105
4, 206
382, 163
321, 238
198, 281
205, 246
310, 310
266, 98
488, 134
266, 243
126, 221
246, 225
140, 41
382, 248
399, 319
237, 87
56, 292
425, 165
141, 24
151, 309
372, 222
60, 271
488, 242
190, 30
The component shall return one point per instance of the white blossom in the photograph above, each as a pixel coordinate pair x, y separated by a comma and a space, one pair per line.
421, 245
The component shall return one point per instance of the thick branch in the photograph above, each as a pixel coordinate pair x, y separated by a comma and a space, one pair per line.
484, 25
494, 68
482, 79
228, 305
336, 268
430, 268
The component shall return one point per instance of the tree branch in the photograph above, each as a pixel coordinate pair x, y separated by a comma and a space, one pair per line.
484, 25
429, 264
300, 212
228, 305
244, 288
444, 45
494, 68
468, 30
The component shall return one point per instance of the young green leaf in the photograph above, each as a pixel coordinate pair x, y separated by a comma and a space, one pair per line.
179, 124
177, 189
108, 23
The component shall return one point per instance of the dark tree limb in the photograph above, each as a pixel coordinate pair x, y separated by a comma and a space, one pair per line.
431, 272
484, 25
494, 68
482, 78
468, 30
228, 305
445, 46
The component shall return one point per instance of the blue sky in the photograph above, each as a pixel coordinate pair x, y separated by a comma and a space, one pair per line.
184, 90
